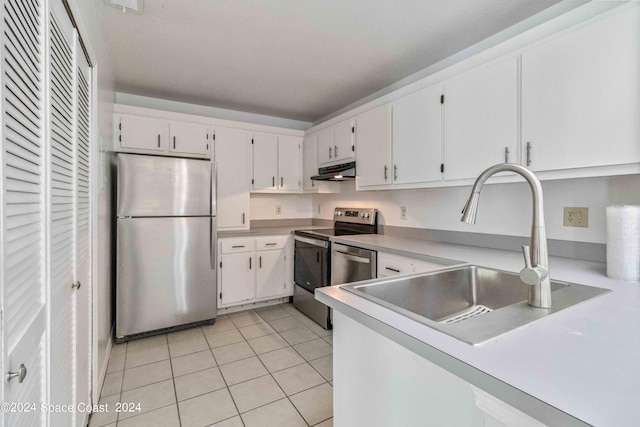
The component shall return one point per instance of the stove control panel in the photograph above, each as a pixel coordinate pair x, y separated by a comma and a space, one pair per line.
355, 215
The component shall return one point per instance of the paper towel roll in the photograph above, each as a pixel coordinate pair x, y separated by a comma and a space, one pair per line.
623, 242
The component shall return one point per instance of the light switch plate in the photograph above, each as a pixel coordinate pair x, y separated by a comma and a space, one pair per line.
576, 217
278, 209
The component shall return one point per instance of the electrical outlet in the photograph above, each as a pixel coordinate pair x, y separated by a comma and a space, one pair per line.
403, 213
278, 209
576, 217
319, 208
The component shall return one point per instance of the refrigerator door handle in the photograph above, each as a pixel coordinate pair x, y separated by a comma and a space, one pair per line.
212, 243
214, 188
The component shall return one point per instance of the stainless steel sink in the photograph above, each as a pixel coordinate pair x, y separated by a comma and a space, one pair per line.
471, 303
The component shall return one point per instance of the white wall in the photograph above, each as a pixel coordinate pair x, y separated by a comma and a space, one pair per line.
294, 206
86, 17
504, 208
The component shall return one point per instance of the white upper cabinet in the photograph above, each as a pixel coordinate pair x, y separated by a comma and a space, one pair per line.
277, 163
309, 167
417, 137
232, 154
139, 134
189, 138
374, 165
143, 133
581, 96
480, 119
265, 161
325, 145
343, 144
336, 144
289, 163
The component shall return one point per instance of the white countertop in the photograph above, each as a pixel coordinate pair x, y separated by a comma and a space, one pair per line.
584, 360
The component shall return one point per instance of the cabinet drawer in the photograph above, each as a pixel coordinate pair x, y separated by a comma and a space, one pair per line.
229, 246
389, 265
268, 243
424, 266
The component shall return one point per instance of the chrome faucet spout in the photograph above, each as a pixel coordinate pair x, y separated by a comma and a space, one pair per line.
536, 271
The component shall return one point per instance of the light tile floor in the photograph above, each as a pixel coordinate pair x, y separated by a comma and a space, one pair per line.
266, 367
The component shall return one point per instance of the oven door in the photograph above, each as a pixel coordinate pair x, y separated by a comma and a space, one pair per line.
311, 263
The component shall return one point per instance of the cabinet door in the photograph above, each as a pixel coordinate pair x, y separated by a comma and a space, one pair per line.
480, 119
289, 163
343, 144
417, 138
270, 275
580, 96
189, 138
143, 133
237, 278
309, 167
325, 146
374, 147
265, 161
232, 151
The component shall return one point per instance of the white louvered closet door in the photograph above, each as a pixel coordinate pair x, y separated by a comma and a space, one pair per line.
83, 242
23, 214
62, 204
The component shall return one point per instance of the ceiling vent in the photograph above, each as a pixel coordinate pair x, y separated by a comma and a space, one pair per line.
135, 6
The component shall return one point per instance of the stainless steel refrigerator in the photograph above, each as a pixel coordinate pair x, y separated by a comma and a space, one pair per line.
166, 240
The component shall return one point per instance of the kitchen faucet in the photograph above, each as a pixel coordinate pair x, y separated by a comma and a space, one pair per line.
536, 260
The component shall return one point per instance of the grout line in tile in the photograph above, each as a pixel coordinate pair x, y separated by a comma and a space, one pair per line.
175, 391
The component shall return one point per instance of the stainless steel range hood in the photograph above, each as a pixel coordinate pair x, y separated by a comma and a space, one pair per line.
342, 172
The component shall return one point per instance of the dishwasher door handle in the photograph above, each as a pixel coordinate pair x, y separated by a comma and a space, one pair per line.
354, 258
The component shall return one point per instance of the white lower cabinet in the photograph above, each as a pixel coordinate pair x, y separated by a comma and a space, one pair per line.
254, 269
395, 265
381, 383
270, 276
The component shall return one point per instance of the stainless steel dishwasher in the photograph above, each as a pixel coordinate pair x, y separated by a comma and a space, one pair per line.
351, 264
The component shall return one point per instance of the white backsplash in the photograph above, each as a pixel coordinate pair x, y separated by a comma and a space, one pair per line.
504, 208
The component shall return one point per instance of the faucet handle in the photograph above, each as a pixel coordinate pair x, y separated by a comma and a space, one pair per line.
532, 275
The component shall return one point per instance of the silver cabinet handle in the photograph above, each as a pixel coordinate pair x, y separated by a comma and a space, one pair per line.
385, 172
395, 172
260, 261
392, 269
273, 181
281, 182
354, 258
250, 263
335, 151
329, 152
243, 217
21, 374
237, 246
174, 142
158, 140
528, 153
270, 244
76, 285
506, 154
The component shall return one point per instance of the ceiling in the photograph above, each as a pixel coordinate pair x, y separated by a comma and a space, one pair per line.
296, 59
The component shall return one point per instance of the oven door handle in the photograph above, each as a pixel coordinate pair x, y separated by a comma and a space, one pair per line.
354, 258
315, 242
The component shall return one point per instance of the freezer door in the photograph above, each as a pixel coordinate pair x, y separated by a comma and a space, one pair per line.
165, 273
164, 186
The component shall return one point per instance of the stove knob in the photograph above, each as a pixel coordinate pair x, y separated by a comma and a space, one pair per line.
365, 215
339, 213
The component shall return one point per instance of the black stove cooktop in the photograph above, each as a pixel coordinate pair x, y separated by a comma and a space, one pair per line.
325, 233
